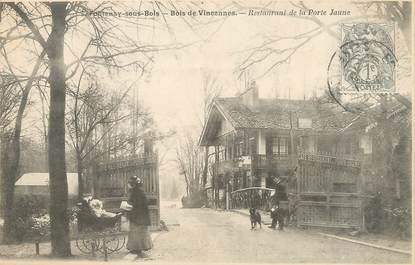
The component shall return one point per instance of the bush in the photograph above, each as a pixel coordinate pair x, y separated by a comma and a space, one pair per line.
40, 228
193, 200
374, 214
31, 220
24, 209
400, 220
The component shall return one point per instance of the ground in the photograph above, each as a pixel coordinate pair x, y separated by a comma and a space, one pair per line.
219, 236
206, 235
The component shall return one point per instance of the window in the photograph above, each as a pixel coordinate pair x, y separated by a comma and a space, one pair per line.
252, 146
241, 148
275, 145
222, 153
283, 146
279, 146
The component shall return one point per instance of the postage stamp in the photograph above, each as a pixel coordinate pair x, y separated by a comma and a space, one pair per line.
367, 59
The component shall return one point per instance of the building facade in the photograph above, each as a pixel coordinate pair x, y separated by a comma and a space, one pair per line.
319, 153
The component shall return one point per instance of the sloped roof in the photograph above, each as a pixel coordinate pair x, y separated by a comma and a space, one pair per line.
42, 179
395, 111
280, 113
275, 114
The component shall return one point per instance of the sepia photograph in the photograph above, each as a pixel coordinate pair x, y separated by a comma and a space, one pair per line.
206, 131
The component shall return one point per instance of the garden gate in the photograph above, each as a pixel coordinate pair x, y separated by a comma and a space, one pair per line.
329, 192
110, 182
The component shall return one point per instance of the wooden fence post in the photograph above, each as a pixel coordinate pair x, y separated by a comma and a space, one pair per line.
93, 249
37, 248
104, 245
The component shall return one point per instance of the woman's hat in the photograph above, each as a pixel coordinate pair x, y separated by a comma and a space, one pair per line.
135, 180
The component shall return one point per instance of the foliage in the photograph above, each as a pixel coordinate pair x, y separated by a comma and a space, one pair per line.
374, 214
395, 221
31, 220
400, 221
193, 200
22, 221
40, 224
40, 227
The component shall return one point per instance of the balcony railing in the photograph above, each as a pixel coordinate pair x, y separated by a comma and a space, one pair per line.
337, 159
269, 161
257, 197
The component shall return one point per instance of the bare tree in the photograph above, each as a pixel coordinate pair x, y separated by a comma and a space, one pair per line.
211, 90
9, 102
91, 109
190, 163
10, 157
40, 29
43, 27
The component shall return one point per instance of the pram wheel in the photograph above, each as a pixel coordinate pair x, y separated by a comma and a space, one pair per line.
112, 243
88, 245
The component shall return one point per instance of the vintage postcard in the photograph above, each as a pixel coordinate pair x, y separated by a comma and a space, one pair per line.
233, 131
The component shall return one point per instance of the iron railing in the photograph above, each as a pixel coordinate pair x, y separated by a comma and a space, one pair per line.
338, 159
257, 197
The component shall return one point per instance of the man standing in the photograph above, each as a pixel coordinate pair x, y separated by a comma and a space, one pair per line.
280, 217
273, 218
277, 217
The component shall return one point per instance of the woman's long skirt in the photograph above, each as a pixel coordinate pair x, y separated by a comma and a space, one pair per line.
139, 238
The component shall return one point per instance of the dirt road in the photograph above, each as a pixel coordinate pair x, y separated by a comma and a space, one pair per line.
218, 236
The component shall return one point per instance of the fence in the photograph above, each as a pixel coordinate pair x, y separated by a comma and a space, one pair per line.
328, 190
112, 177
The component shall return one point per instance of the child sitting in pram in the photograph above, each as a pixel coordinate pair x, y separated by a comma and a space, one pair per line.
92, 217
96, 207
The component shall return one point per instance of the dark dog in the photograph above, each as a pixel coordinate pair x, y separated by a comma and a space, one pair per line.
255, 217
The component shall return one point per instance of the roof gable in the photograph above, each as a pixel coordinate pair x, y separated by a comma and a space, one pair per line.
218, 122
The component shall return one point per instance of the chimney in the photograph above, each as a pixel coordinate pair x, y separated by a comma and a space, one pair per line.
250, 96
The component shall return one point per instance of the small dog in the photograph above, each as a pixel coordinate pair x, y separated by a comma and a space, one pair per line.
255, 217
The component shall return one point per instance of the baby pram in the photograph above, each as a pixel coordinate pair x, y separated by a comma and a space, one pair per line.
95, 233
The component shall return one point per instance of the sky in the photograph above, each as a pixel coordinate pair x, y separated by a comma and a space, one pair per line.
174, 91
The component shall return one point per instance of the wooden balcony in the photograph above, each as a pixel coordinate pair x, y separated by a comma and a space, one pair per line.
337, 159
270, 161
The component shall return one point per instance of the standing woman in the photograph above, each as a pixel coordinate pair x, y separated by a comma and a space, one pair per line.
139, 237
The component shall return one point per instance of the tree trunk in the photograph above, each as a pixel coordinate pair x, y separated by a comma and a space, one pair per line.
79, 171
9, 172
56, 134
11, 158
